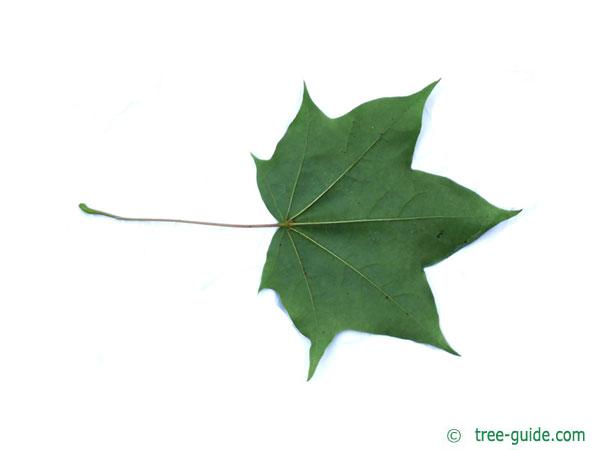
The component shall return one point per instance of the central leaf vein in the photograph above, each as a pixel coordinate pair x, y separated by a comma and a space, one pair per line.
383, 219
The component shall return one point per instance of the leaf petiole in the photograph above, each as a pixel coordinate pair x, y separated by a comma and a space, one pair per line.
86, 209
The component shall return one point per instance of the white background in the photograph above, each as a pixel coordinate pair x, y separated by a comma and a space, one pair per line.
151, 336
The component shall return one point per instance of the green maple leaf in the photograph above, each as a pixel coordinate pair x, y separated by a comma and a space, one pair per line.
359, 225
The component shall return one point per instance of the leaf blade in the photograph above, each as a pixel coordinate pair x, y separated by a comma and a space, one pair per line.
362, 225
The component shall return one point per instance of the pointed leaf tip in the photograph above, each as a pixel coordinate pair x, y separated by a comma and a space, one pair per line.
443, 344
515, 212
305, 93
429, 88
307, 101
452, 351
256, 159
509, 213
317, 350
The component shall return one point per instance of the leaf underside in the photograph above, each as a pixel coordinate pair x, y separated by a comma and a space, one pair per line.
360, 224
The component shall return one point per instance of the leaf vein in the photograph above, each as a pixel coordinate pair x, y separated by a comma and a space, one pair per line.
346, 263
328, 188
299, 169
273, 198
383, 219
303, 270
352, 165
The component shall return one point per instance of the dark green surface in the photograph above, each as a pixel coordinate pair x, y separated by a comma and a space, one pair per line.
360, 224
